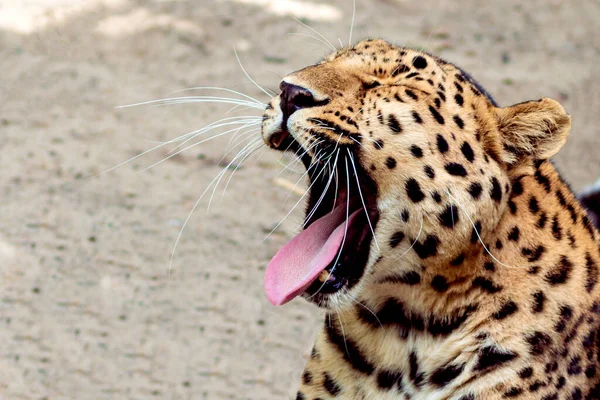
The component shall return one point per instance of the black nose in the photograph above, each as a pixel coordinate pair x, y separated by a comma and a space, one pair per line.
294, 98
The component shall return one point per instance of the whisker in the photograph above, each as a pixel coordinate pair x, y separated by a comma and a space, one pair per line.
191, 212
352, 23
187, 148
357, 142
223, 89
477, 232
343, 333
362, 198
345, 228
315, 31
295, 205
196, 99
316, 206
219, 124
161, 144
413, 243
257, 145
369, 310
249, 77
311, 37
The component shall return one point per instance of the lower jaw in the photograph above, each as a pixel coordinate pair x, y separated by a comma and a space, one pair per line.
344, 272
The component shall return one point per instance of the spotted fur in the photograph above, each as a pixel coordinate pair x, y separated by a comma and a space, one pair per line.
485, 282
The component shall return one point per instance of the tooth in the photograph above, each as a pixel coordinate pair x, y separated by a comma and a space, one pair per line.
323, 276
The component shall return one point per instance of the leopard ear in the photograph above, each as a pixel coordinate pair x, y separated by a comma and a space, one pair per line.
534, 130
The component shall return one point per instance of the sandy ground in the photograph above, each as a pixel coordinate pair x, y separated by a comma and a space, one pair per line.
87, 307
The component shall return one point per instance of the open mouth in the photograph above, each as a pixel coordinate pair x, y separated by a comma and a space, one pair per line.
332, 250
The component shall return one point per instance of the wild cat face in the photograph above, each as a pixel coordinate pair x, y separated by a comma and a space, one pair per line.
409, 161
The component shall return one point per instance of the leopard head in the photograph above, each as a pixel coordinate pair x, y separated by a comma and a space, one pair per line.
409, 163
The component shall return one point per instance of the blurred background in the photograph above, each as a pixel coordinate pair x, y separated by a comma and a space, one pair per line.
88, 306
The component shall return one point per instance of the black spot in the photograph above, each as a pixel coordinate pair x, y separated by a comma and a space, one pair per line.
459, 99
469, 396
412, 95
572, 241
486, 285
394, 124
574, 367
566, 313
499, 244
489, 266
405, 215
539, 298
428, 248
533, 255
348, 348
419, 62
493, 357
330, 385
415, 375
436, 196
592, 273
533, 270
416, 151
439, 283
396, 239
541, 223
417, 117
455, 169
514, 234
400, 69
429, 171
413, 190
444, 326
539, 342
300, 396
517, 188
475, 190
444, 375
388, 379
507, 309
378, 144
543, 180
442, 144
408, 278
535, 386
436, 115
512, 207
467, 151
560, 382
476, 232
526, 372
496, 191
513, 392
459, 122
314, 354
533, 205
588, 225
576, 394
307, 377
560, 273
449, 217
390, 162
590, 371
458, 260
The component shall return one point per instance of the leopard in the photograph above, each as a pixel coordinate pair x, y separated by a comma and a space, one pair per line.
451, 259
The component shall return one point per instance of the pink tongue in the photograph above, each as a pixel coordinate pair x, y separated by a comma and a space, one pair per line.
297, 264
